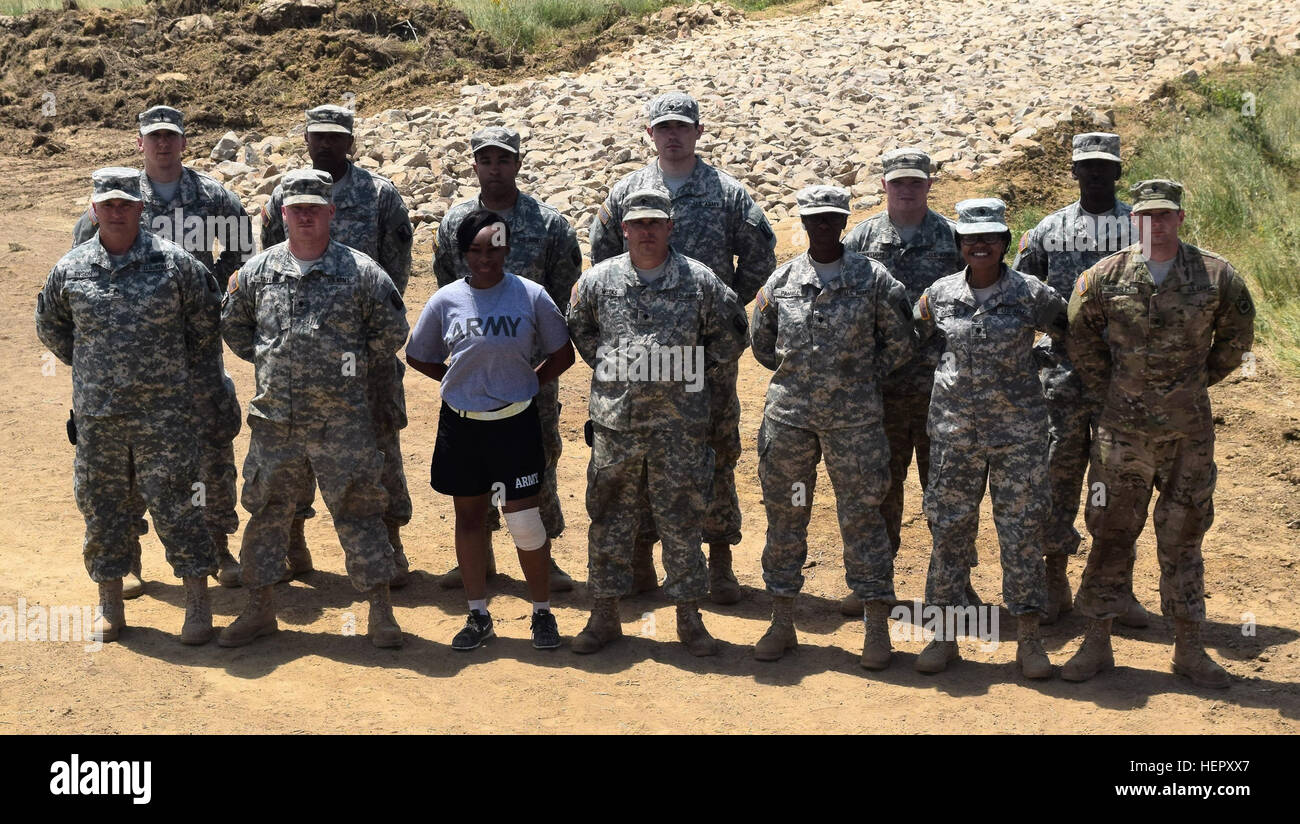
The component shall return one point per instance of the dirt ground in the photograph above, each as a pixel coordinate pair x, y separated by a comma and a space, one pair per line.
313, 677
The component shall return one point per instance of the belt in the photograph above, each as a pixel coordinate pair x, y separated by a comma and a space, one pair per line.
493, 415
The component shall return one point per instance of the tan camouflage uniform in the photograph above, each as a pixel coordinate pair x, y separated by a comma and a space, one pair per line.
988, 426
312, 339
650, 437
370, 217
829, 345
543, 248
138, 335
931, 254
1151, 353
716, 222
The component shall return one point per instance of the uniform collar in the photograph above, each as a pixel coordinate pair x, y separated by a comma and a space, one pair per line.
802, 273
1012, 287
138, 250
696, 182
667, 280
187, 192
927, 232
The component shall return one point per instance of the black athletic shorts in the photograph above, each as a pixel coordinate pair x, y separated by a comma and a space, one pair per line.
471, 457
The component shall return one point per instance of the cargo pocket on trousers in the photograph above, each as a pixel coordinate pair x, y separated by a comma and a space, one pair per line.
255, 492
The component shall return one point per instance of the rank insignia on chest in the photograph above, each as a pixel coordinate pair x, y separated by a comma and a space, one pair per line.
978, 331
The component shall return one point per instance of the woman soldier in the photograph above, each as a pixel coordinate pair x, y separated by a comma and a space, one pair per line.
988, 425
489, 445
831, 323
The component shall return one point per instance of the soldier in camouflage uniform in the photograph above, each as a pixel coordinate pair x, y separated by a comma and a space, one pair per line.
197, 213
988, 426
830, 323
1151, 329
716, 222
543, 248
313, 316
1056, 251
632, 317
917, 246
370, 217
136, 317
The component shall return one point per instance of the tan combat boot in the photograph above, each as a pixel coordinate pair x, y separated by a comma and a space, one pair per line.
691, 631
1030, 655
1191, 660
299, 560
644, 577
228, 568
723, 586
197, 628
403, 575
876, 649
560, 580
110, 617
383, 630
937, 655
1094, 655
851, 606
257, 619
1059, 598
132, 582
780, 635
452, 579
1134, 616
602, 628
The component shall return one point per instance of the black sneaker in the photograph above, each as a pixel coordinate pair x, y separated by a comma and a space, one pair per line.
478, 628
546, 635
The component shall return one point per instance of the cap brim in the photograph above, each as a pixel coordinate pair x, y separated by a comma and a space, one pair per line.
641, 214
299, 200
329, 127
819, 210
980, 228
162, 127
897, 173
116, 194
490, 144
1152, 205
1077, 156
680, 118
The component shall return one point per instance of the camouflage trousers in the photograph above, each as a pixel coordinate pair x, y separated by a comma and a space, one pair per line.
342, 456
118, 455
217, 469
669, 469
393, 479
1125, 467
1016, 476
905, 416
548, 404
1072, 422
857, 461
722, 518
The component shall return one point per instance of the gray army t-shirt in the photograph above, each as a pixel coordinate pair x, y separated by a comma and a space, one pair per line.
487, 338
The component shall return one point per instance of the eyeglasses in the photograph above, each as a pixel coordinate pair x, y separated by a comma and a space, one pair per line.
972, 240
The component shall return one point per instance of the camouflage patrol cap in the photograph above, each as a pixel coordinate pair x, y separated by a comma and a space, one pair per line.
981, 215
115, 183
905, 163
814, 200
644, 203
329, 118
673, 106
307, 186
161, 118
1096, 146
499, 136
1150, 195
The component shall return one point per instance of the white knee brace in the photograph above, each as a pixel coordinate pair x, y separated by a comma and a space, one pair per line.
527, 529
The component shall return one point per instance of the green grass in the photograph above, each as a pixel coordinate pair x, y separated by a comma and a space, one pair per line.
1242, 177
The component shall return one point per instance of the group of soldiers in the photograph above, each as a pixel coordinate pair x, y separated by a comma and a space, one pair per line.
907, 335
